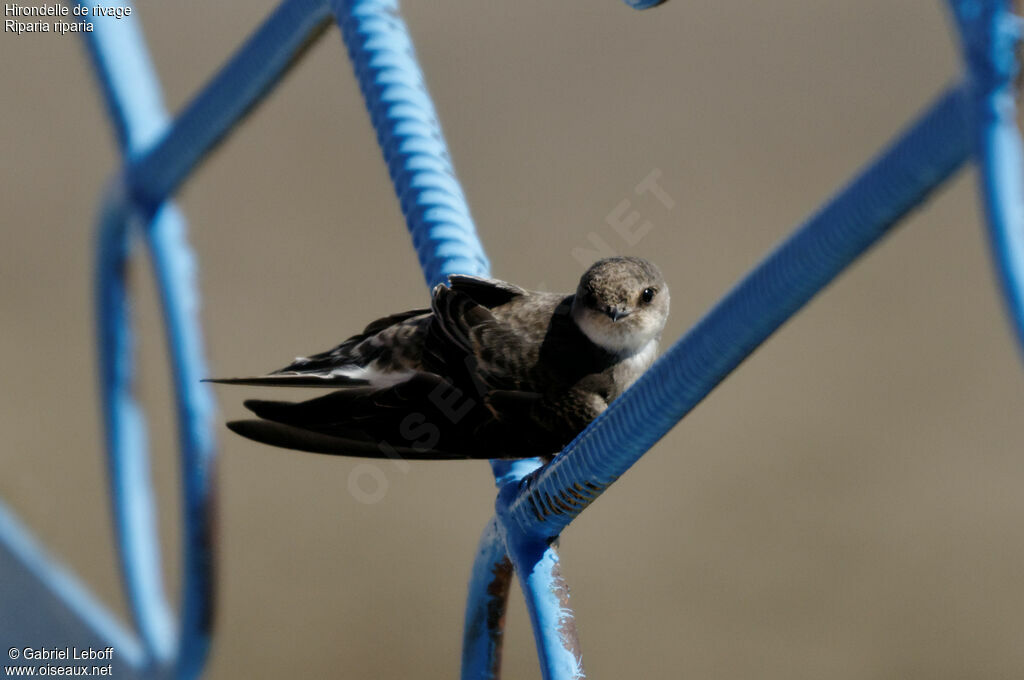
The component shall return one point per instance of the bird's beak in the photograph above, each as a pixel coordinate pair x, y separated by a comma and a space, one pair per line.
614, 313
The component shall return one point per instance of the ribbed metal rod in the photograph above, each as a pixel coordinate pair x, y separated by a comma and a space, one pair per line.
538, 568
486, 603
132, 497
444, 236
990, 33
410, 138
132, 95
934, 147
250, 74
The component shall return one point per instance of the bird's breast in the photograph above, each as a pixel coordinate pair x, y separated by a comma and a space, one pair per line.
629, 369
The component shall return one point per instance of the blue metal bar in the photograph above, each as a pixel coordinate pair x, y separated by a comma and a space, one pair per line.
990, 33
158, 158
643, 4
250, 74
125, 428
131, 89
445, 240
488, 587
410, 137
415, 152
536, 563
174, 268
485, 608
45, 605
133, 97
936, 145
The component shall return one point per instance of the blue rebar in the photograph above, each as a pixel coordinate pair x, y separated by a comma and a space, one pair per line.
990, 33
410, 137
533, 505
249, 75
63, 610
133, 97
175, 271
158, 156
842, 230
127, 449
446, 242
484, 627
538, 569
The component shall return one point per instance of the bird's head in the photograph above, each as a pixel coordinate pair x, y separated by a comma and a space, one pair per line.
621, 304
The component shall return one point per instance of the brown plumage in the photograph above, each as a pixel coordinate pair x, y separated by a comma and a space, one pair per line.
491, 370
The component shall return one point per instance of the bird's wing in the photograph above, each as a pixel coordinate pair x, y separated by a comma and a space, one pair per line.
421, 419
468, 345
470, 400
487, 292
475, 296
326, 368
292, 380
543, 424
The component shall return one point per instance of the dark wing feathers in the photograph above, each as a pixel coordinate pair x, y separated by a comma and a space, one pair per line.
325, 362
449, 348
377, 326
423, 418
318, 369
487, 292
291, 380
446, 410
289, 437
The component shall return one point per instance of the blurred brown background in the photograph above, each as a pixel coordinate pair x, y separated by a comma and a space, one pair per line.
847, 505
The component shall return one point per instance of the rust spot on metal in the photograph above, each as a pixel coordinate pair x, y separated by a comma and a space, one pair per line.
497, 605
584, 492
551, 506
571, 498
536, 509
575, 491
559, 503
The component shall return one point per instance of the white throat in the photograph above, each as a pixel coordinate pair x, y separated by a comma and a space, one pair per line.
610, 335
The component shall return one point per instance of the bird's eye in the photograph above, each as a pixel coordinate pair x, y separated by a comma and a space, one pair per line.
647, 295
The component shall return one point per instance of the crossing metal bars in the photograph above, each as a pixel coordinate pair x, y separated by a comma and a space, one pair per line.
534, 504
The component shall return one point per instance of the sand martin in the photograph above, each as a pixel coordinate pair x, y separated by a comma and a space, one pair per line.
491, 370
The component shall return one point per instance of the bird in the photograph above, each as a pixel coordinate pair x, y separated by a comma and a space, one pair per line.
490, 370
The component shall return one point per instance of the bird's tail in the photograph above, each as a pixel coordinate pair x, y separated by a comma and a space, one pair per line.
423, 418
364, 359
